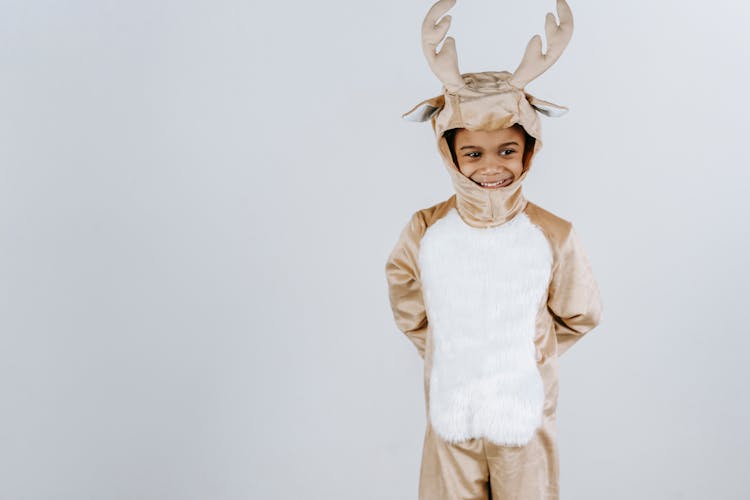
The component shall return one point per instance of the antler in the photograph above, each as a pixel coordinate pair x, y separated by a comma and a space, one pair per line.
444, 63
534, 63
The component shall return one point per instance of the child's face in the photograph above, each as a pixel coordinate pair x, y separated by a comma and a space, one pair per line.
493, 158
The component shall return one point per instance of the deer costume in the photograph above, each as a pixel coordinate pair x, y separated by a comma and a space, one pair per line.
491, 289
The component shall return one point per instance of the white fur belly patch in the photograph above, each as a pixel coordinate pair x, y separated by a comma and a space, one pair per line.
482, 289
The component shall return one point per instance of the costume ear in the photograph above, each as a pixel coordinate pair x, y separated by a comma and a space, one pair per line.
545, 107
425, 109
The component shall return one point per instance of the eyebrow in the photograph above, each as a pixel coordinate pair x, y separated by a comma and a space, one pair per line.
501, 145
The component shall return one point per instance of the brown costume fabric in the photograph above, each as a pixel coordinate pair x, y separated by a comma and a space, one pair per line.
572, 308
478, 468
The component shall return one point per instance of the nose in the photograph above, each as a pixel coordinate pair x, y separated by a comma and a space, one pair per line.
492, 169
493, 164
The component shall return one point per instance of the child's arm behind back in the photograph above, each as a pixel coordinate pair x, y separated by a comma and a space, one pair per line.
574, 299
404, 286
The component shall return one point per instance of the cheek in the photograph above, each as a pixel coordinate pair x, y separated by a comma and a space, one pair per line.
517, 166
465, 168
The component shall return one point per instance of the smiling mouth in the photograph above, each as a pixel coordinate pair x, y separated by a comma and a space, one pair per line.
501, 183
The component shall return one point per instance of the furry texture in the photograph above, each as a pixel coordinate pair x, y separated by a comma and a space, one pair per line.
482, 289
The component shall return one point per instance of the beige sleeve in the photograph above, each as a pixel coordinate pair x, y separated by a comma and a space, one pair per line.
404, 286
574, 300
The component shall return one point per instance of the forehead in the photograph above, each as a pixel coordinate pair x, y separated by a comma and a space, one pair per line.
497, 136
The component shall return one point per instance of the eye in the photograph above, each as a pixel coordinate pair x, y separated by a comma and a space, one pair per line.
473, 153
507, 152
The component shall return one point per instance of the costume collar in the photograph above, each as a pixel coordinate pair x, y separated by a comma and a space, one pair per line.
481, 207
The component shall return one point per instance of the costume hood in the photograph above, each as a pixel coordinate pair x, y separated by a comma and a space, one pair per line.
487, 101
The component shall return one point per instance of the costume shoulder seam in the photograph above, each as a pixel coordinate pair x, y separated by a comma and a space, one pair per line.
557, 229
546, 213
437, 211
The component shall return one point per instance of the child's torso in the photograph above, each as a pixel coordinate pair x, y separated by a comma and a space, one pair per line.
483, 289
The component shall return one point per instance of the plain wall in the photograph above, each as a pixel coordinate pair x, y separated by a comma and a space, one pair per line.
197, 200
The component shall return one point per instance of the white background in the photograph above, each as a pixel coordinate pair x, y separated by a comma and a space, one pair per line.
197, 200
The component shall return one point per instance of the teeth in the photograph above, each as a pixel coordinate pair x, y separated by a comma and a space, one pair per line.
491, 184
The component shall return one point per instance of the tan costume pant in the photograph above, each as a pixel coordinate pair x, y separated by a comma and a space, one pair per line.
477, 469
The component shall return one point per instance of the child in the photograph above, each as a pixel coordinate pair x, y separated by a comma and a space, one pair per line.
490, 288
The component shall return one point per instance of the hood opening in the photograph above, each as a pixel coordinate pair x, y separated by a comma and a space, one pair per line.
530, 146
